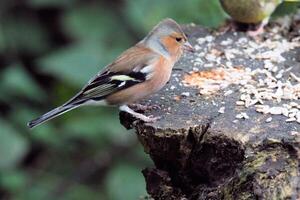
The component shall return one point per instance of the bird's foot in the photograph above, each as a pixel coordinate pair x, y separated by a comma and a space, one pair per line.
228, 26
144, 107
137, 115
257, 32
149, 119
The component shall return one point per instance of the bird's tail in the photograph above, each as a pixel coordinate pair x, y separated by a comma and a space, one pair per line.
51, 114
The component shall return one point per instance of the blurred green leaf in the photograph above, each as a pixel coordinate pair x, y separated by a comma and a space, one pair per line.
2, 38
79, 192
17, 82
13, 180
145, 13
98, 125
13, 146
286, 8
95, 26
51, 3
92, 22
41, 186
23, 34
208, 13
46, 133
139, 154
75, 64
125, 182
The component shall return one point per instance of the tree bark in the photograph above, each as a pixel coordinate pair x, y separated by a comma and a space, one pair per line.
201, 152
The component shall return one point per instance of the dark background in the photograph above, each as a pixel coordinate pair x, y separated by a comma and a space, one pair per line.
48, 50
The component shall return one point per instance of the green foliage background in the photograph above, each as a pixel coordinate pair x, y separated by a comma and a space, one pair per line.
48, 50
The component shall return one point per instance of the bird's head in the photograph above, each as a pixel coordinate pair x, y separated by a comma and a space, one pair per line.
168, 39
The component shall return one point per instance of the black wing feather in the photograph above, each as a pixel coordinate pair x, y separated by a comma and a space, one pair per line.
105, 84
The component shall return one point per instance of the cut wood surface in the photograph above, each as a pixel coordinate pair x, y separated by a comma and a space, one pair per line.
230, 119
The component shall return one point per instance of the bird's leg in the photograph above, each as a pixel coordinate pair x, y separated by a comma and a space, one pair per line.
228, 26
140, 116
259, 30
144, 107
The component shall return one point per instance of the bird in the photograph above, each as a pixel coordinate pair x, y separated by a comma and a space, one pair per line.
251, 15
136, 74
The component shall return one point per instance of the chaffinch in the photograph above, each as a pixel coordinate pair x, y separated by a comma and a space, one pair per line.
137, 73
252, 14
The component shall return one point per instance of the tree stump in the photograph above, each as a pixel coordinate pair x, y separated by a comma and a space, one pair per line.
228, 127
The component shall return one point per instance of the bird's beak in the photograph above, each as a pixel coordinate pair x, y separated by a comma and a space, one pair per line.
188, 47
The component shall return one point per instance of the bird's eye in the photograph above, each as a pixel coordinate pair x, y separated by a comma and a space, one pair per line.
178, 39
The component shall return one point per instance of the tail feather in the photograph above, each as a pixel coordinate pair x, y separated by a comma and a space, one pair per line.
51, 114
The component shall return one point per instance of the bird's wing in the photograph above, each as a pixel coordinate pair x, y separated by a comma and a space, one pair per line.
126, 71
132, 59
